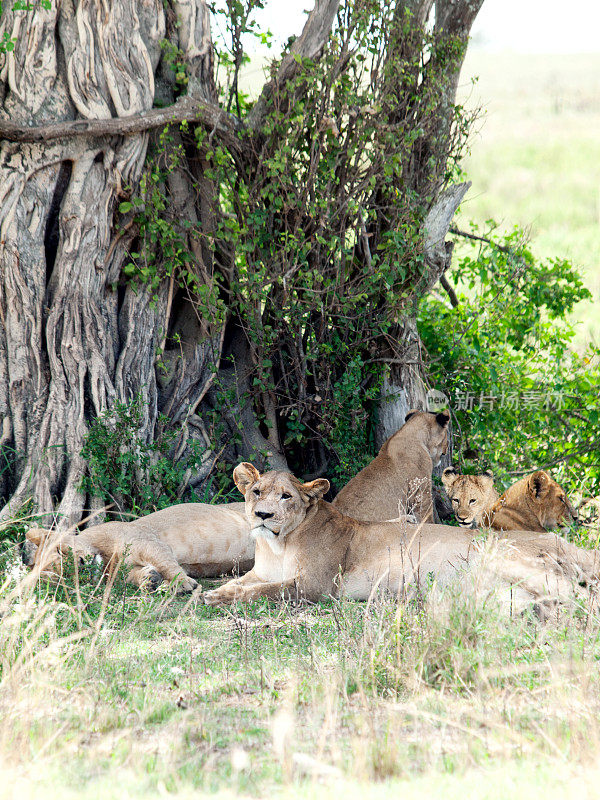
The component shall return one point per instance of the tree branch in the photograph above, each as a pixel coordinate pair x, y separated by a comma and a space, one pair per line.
185, 109
309, 44
465, 234
444, 282
439, 219
455, 17
437, 251
502, 248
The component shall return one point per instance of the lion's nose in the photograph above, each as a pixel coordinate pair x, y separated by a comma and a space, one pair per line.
263, 514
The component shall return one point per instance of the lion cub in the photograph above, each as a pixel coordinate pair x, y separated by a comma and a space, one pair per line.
534, 503
400, 474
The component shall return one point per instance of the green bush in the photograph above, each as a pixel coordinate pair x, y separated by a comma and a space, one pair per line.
523, 398
136, 475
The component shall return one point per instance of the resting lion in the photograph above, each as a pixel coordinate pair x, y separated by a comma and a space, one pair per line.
180, 543
400, 473
534, 503
203, 540
306, 548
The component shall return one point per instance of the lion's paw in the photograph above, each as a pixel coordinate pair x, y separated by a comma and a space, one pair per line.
187, 586
151, 580
222, 596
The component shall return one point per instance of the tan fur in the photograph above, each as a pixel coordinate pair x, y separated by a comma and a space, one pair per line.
211, 540
306, 548
534, 503
472, 497
399, 474
179, 543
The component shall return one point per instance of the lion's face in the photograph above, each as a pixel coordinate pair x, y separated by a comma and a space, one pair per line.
45, 552
276, 502
550, 502
471, 495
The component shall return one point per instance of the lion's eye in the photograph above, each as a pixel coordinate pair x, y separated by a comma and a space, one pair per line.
455, 500
471, 501
285, 496
256, 492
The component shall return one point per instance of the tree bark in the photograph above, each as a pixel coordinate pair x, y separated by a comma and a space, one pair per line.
72, 343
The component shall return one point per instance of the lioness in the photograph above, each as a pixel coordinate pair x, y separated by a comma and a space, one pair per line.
180, 543
534, 503
305, 547
208, 540
400, 473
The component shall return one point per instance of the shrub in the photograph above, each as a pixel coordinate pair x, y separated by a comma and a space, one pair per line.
523, 397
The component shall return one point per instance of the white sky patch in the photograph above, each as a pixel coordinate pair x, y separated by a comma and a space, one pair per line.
525, 26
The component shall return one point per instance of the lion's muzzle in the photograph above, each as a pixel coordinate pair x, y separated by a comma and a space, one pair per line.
263, 530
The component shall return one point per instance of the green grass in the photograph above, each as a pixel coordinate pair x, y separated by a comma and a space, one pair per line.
161, 695
535, 159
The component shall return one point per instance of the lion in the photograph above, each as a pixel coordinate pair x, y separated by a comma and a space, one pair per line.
472, 497
179, 544
203, 540
534, 503
306, 548
400, 473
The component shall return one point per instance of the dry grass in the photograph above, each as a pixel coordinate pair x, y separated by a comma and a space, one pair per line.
128, 696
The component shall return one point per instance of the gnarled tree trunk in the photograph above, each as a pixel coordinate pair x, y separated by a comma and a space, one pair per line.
72, 340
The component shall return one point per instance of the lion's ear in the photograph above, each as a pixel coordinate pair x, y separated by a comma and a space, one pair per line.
449, 475
487, 477
316, 489
442, 419
37, 535
539, 484
245, 475
411, 413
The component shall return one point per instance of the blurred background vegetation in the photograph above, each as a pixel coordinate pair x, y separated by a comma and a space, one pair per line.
535, 158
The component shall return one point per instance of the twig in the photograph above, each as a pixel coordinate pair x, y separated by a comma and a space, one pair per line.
364, 238
502, 247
